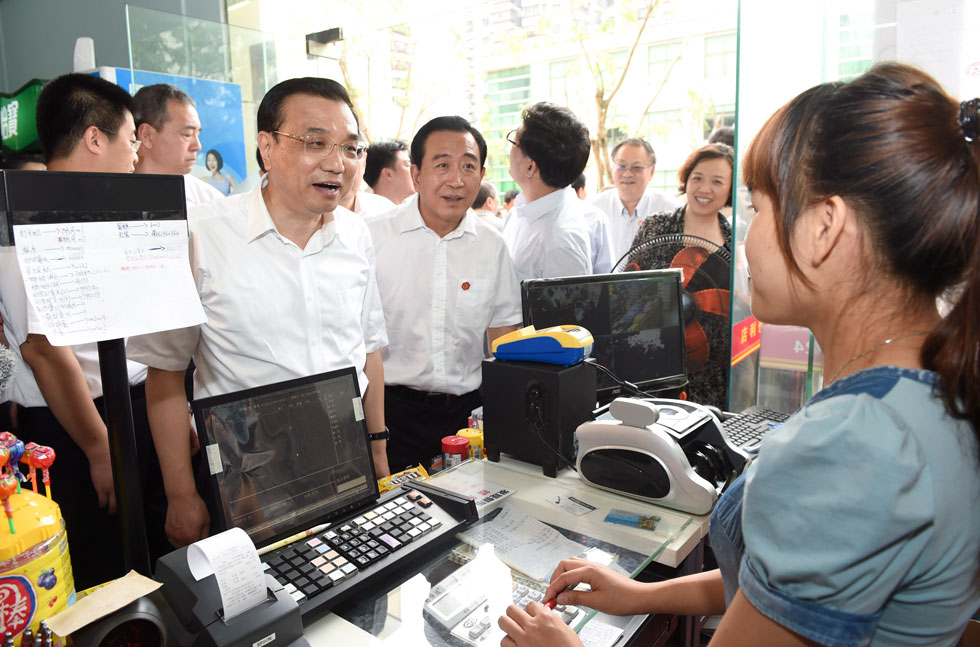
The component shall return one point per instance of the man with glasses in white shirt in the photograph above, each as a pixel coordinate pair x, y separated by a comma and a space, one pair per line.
287, 281
633, 164
547, 233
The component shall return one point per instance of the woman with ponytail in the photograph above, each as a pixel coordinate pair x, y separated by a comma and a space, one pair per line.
858, 523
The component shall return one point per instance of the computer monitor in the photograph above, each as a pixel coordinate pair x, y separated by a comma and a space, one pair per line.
636, 319
284, 457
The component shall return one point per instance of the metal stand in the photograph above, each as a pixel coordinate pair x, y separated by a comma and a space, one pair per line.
122, 452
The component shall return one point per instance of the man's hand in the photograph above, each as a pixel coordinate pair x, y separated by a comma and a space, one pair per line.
187, 520
537, 625
379, 453
611, 592
100, 470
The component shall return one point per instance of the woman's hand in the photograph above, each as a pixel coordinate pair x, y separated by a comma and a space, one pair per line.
611, 592
537, 625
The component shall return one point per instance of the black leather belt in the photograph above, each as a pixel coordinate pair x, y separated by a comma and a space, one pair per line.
438, 399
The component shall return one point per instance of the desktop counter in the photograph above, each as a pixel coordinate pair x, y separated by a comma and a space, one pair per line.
531, 521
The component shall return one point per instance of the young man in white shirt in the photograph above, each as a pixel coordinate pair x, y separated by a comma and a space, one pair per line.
633, 164
486, 204
168, 125
547, 233
84, 123
388, 170
446, 282
287, 281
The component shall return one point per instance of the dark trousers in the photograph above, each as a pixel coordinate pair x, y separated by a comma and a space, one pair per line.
418, 421
94, 537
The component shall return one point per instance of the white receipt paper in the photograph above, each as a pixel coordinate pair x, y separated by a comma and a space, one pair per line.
524, 543
232, 558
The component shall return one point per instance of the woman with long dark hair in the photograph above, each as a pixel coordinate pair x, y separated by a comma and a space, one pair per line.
857, 524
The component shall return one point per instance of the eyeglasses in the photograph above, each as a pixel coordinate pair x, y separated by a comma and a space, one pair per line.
510, 139
634, 169
318, 146
133, 143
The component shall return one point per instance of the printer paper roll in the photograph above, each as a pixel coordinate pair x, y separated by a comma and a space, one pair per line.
232, 558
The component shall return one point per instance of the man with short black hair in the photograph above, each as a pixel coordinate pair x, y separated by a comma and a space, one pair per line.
168, 125
633, 164
547, 233
84, 123
361, 202
485, 206
287, 281
388, 170
446, 283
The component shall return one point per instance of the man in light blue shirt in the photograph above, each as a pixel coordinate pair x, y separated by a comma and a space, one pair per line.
547, 233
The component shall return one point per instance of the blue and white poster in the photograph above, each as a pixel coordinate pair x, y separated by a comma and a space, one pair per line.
221, 160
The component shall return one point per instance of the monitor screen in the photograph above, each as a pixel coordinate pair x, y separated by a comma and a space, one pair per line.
636, 319
285, 457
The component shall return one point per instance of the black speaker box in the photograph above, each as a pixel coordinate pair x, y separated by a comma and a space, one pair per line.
525, 403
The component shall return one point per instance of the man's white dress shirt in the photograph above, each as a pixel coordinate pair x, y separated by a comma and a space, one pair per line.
600, 238
624, 225
197, 191
549, 237
274, 311
490, 218
440, 295
371, 204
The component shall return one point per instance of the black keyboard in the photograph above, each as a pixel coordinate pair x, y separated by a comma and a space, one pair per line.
323, 570
746, 429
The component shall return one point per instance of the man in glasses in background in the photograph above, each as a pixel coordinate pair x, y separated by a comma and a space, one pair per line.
633, 164
286, 279
84, 124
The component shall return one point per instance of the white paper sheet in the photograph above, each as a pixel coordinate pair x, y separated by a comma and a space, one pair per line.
94, 281
599, 634
232, 558
524, 543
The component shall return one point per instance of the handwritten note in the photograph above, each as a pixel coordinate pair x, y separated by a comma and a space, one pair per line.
93, 281
524, 543
231, 556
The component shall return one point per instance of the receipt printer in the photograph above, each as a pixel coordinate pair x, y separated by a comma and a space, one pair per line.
192, 613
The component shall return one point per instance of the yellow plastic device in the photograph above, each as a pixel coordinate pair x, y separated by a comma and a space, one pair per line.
564, 345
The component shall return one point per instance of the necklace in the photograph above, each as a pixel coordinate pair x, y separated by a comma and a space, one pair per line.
871, 350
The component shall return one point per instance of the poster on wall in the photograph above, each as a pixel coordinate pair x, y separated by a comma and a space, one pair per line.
221, 161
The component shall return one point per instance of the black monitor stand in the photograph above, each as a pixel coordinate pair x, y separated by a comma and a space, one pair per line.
50, 197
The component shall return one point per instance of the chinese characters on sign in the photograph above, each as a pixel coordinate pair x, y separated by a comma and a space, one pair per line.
94, 281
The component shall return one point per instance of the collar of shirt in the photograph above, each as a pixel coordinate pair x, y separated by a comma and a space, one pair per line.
410, 219
545, 204
260, 223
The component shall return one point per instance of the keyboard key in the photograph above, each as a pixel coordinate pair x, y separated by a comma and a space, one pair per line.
337, 575
390, 541
298, 596
348, 569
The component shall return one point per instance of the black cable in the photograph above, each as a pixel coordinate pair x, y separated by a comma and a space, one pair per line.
631, 388
539, 426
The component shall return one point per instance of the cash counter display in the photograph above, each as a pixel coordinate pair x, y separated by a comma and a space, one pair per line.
456, 598
283, 458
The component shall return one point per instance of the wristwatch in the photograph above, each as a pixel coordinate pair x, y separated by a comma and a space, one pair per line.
381, 435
